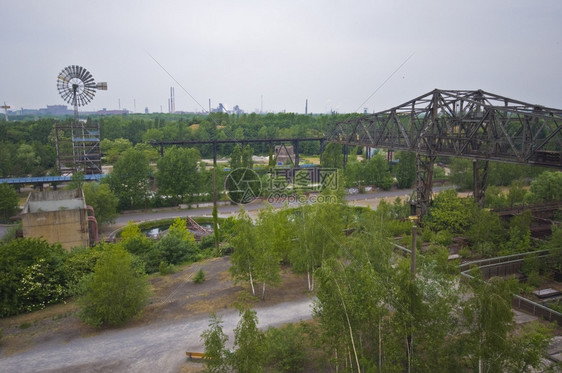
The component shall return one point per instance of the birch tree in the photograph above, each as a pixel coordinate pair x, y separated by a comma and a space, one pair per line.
273, 240
243, 259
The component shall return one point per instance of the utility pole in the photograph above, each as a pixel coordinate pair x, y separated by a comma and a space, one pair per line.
5, 107
215, 208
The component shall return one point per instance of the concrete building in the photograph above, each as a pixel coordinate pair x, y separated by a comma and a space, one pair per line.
59, 216
284, 154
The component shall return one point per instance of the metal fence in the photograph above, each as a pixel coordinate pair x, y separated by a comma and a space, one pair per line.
509, 265
536, 309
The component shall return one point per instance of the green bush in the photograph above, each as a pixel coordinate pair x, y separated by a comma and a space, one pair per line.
32, 275
465, 252
116, 291
166, 268
285, 349
444, 238
427, 235
398, 228
199, 277
80, 264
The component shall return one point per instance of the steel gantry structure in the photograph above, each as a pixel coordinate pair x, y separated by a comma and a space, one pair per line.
471, 124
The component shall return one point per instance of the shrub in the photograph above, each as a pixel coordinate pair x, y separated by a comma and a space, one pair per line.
199, 277
427, 235
444, 238
465, 252
32, 275
285, 349
166, 269
117, 290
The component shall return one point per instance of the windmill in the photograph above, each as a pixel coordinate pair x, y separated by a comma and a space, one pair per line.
77, 87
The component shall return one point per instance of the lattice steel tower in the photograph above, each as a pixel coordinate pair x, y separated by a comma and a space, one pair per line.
81, 151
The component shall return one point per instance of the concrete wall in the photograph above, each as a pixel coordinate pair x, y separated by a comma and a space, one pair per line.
69, 227
54, 200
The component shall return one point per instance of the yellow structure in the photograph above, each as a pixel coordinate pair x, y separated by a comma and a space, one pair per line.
57, 216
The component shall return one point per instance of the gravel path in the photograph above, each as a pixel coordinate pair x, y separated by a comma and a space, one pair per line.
155, 348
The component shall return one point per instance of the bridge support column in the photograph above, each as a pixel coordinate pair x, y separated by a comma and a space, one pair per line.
480, 174
296, 150
345, 155
424, 182
214, 154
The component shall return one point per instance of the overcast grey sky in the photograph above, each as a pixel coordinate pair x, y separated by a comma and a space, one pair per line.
333, 53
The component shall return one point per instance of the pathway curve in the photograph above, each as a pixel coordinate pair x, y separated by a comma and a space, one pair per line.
154, 348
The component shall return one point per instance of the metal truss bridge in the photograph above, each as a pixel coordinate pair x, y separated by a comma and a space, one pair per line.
468, 124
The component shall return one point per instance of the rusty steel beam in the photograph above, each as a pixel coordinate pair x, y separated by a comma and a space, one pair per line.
469, 124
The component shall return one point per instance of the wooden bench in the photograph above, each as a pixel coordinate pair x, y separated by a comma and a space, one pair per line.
194, 356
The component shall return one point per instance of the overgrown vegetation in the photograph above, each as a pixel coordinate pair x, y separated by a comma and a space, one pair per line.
36, 274
371, 314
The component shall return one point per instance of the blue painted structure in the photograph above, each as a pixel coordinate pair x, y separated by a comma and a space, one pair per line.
47, 179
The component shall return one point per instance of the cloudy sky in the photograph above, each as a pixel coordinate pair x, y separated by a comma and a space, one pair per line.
280, 53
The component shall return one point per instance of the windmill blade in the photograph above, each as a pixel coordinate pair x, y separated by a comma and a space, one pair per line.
77, 86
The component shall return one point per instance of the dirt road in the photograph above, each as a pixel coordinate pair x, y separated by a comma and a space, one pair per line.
154, 348
171, 324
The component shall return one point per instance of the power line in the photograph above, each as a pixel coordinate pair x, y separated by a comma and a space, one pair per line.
175, 80
383, 83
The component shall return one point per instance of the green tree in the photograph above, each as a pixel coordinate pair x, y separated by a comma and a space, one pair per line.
9, 202
354, 172
494, 197
319, 236
547, 187
216, 353
79, 265
461, 173
247, 154
76, 181
130, 179
137, 243
112, 150
248, 356
7, 161
519, 234
150, 151
332, 157
178, 174
450, 212
32, 275
486, 232
117, 290
102, 199
273, 243
406, 169
490, 319
236, 157
243, 259
516, 193
178, 245
26, 159
286, 348
377, 172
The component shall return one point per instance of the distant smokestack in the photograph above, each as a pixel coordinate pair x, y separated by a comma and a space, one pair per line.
209, 105
306, 107
172, 101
